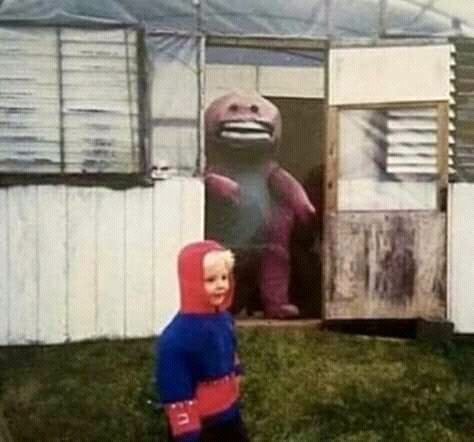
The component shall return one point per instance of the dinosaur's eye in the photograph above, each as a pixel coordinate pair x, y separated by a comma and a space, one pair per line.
254, 108
233, 107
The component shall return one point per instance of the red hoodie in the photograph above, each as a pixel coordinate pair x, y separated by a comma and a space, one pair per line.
191, 279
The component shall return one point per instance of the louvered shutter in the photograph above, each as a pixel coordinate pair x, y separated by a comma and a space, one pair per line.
464, 116
100, 101
29, 101
69, 101
411, 136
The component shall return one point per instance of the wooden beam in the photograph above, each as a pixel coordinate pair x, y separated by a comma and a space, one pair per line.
443, 153
331, 160
268, 42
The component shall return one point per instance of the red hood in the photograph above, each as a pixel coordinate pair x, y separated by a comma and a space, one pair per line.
191, 279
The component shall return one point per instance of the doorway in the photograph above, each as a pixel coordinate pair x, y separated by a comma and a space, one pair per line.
293, 80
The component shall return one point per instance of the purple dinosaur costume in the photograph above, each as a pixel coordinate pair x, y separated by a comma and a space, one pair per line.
252, 203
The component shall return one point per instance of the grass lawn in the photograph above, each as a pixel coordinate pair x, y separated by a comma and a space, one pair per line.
301, 385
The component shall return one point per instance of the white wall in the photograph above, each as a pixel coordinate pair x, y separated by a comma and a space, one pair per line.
461, 257
270, 81
389, 74
79, 263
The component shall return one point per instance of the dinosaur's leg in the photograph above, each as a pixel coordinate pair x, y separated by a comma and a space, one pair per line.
275, 265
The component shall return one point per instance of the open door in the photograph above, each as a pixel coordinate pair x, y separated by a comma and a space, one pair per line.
291, 79
385, 182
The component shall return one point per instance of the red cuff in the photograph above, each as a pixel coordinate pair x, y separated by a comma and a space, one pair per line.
217, 396
183, 417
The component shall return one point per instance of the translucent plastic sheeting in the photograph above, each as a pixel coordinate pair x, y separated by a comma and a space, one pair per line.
298, 18
276, 17
174, 103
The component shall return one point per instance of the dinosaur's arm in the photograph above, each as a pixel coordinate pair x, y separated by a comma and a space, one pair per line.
222, 188
287, 189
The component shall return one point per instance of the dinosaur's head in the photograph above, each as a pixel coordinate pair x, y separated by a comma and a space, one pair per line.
243, 122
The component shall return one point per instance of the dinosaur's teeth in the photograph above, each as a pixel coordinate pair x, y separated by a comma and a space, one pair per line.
245, 125
233, 135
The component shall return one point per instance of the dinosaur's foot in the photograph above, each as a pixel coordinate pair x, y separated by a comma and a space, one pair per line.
284, 311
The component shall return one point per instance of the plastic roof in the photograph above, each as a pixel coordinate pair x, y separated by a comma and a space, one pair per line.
283, 18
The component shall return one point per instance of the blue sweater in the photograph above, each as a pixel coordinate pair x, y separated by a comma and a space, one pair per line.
197, 372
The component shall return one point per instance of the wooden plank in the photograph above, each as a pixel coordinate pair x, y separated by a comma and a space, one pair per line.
332, 161
110, 263
303, 82
167, 228
139, 262
366, 194
92, 36
192, 210
23, 264
267, 42
443, 153
4, 265
82, 262
98, 49
52, 264
93, 65
222, 79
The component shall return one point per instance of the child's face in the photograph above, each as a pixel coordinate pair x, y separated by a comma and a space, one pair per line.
216, 282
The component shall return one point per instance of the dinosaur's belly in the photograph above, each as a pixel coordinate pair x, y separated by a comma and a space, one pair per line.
242, 226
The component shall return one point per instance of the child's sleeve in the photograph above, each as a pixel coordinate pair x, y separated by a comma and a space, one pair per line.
177, 392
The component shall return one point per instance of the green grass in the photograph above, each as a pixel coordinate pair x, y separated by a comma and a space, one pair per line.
301, 385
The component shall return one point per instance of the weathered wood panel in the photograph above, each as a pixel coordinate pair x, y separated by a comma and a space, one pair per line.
139, 262
461, 256
23, 265
110, 263
82, 263
385, 265
388, 74
52, 264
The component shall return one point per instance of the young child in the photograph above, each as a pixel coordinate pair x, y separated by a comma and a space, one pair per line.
198, 369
